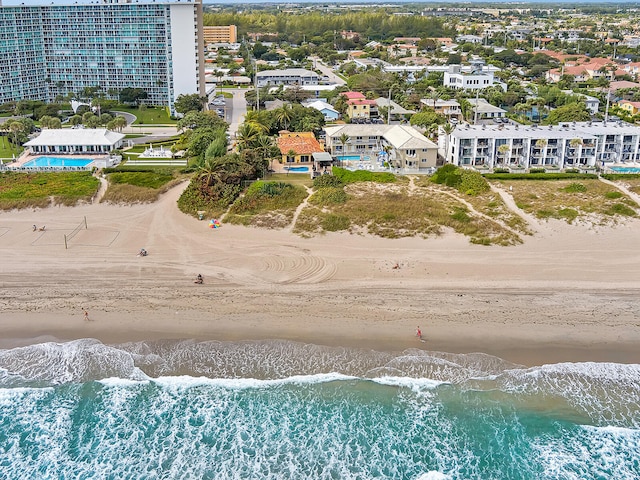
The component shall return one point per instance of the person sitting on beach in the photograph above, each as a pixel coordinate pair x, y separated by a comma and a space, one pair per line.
35, 228
199, 279
143, 253
42, 228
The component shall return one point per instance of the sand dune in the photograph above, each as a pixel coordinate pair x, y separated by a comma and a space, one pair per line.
568, 293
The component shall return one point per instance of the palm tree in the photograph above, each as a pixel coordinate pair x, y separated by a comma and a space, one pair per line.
120, 122
4, 127
266, 147
388, 148
259, 119
344, 139
16, 128
247, 135
435, 96
284, 115
447, 129
503, 150
291, 154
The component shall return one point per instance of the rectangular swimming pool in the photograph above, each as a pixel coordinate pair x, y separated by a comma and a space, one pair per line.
297, 169
625, 169
57, 162
352, 158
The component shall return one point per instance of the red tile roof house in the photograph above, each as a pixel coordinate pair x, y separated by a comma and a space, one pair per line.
361, 108
298, 147
353, 95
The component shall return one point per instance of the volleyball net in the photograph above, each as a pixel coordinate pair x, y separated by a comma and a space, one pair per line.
74, 232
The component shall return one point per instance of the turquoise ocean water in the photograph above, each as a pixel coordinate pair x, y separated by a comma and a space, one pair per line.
286, 410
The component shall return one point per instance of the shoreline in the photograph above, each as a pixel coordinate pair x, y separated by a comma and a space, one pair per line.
469, 328
569, 293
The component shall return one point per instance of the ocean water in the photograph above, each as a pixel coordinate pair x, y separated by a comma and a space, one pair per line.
286, 410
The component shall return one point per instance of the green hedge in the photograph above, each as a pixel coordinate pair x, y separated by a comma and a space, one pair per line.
539, 176
347, 176
620, 176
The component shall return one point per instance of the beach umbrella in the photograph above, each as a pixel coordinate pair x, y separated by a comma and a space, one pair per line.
213, 223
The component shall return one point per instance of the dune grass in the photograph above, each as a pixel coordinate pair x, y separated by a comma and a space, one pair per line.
588, 200
267, 204
392, 211
40, 189
631, 184
486, 202
138, 186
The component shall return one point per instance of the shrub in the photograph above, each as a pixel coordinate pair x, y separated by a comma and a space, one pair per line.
347, 176
448, 175
500, 170
575, 188
329, 196
567, 213
335, 223
460, 215
269, 189
327, 181
539, 176
621, 209
472, 183
536, 170
613, 195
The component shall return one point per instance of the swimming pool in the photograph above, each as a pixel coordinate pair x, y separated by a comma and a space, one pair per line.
625, 169
297, 169
57, 162
352, 158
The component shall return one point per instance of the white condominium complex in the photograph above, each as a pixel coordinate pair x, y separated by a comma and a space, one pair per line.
568, 145
50, 50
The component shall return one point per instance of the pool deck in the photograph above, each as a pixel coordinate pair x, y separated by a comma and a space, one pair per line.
26, 157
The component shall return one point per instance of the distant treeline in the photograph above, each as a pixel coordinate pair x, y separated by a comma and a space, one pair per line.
320, 27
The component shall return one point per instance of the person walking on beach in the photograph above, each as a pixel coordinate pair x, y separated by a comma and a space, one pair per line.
86, 315
419, 333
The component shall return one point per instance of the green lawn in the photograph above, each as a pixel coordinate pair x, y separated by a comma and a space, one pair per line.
149, 116
7, 150
303, 179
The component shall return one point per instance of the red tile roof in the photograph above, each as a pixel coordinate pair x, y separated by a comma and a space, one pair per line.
300, 145
352, 95
360, 101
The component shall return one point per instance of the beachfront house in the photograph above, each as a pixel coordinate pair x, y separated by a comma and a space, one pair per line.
298, 147
405, 146
75, 141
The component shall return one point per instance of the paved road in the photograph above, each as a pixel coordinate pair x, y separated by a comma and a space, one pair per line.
333, 78
153, 134
129, 117
236, 108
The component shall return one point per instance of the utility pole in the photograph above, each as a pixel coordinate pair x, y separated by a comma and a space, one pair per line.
475, 113
606, 110
255, 77
389, 107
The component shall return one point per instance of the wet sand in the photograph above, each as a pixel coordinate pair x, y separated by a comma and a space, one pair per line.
569, 293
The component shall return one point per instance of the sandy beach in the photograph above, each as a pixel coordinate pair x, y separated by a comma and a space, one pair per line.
569, 293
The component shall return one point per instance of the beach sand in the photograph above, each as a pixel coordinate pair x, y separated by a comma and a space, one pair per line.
569, 293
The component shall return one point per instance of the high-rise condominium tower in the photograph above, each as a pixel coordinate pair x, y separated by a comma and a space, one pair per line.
52, 50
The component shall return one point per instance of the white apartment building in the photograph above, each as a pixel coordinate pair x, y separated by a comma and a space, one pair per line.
568, 145
478, 78
289, 76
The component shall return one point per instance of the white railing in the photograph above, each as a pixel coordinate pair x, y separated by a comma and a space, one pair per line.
150, 162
